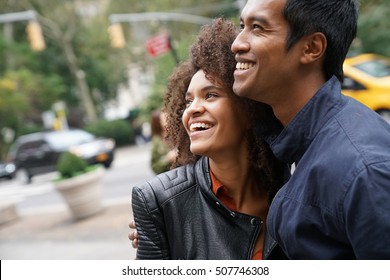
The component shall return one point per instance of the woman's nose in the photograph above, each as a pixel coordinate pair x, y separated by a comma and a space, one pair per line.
196, 106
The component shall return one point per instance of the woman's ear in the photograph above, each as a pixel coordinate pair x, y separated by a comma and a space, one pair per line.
314, 47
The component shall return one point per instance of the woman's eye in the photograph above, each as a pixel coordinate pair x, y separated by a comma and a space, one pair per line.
188, 102
211, 95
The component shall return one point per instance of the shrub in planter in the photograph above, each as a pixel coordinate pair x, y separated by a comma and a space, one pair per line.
70, 165
80, 185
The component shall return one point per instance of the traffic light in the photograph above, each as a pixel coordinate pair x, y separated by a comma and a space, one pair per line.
116, 36
34, 34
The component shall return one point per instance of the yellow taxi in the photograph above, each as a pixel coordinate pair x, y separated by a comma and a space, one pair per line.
367, 79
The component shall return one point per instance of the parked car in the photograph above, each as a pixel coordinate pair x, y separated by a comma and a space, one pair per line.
7, 170
37, 153
367, 79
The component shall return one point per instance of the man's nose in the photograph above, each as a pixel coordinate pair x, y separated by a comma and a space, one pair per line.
240, 44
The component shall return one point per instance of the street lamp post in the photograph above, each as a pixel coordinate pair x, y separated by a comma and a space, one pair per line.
18, 16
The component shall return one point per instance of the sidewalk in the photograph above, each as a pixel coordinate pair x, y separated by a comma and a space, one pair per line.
56, 235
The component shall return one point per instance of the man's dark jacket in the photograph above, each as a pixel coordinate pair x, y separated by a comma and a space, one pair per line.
336, 205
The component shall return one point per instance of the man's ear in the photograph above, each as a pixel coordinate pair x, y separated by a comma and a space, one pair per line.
314, 47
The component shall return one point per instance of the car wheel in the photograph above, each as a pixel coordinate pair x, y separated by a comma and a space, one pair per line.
385, 114
23, 177
107, 164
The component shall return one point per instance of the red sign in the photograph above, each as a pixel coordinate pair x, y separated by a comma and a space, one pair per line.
158, 44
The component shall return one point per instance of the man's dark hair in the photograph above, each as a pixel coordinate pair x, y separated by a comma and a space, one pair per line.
336, 19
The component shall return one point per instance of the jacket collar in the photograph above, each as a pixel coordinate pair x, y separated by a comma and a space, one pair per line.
202, 172
291, 143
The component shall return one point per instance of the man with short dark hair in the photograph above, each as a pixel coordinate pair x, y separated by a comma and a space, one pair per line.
336, 205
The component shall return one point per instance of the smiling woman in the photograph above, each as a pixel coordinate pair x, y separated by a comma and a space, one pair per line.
214, 204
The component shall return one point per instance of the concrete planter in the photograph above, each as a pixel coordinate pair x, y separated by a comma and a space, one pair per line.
83, 193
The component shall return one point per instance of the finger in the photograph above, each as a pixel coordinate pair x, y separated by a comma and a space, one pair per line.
135, 243
133, 235
132, 224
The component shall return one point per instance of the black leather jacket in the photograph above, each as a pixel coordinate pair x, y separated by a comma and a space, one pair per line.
178, 217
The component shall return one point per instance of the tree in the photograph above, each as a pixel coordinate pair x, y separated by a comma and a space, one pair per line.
78, 49
25, 92
373, 27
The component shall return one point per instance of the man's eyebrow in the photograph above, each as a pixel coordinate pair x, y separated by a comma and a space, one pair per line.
256, 18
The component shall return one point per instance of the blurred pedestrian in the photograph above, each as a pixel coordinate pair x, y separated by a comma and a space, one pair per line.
162, 156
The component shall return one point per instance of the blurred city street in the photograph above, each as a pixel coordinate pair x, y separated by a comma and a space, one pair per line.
45, 228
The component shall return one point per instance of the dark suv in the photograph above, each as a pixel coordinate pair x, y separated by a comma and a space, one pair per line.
38, 153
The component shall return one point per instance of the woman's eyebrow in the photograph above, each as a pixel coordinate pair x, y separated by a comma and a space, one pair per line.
211, 87
206, 88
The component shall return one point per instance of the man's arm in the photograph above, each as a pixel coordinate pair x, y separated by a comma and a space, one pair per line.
367, 212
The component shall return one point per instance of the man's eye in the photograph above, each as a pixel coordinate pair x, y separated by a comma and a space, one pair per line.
188, 102
256, 26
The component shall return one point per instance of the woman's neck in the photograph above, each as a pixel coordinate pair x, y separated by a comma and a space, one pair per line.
242, 184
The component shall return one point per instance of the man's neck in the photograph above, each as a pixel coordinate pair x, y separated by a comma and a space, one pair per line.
298, 95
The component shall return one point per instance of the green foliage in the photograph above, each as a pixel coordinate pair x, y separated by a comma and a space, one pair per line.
120, 130
12, 102
13, 106
23, 96
374, 28
38, 90
70, 165
103, 65
25, 90
72, 41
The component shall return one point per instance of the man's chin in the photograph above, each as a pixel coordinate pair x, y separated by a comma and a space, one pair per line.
239, 90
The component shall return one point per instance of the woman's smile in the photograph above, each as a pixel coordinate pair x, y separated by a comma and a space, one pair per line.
200, 130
